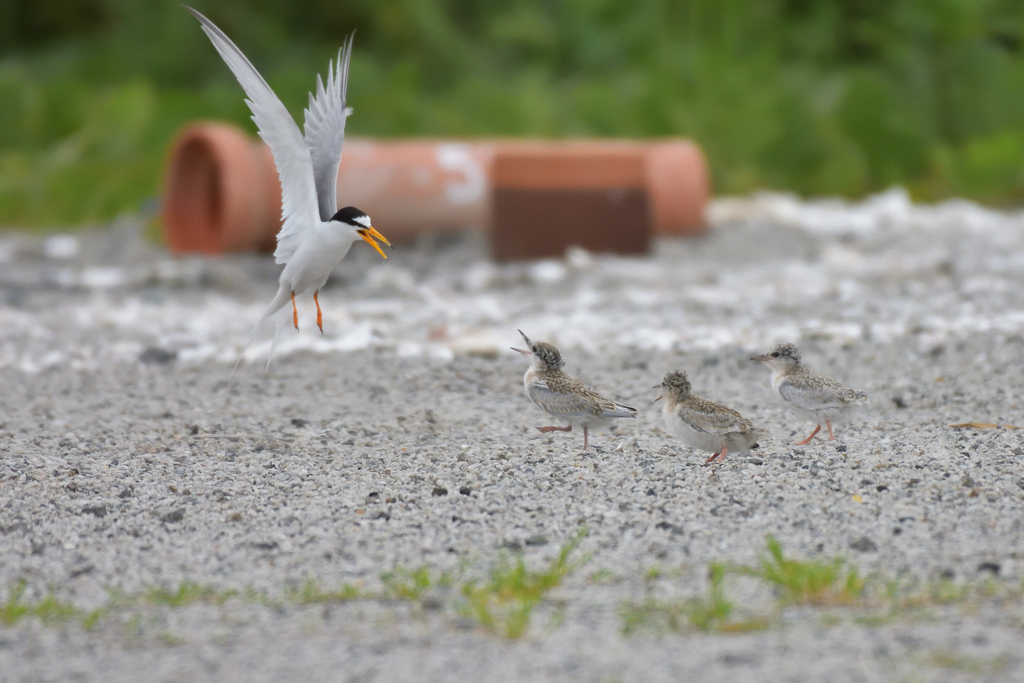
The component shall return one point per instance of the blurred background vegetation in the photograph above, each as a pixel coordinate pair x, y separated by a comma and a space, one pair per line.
818, 97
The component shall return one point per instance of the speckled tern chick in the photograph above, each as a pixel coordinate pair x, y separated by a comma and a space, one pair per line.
807, 392
703, 424
563, 396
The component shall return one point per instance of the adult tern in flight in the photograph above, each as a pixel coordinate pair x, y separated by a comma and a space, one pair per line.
315, 235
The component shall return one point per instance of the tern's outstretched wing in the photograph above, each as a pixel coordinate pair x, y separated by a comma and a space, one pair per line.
325, 130
278, 130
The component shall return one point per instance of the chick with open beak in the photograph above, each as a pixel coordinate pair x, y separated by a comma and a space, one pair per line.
563, 396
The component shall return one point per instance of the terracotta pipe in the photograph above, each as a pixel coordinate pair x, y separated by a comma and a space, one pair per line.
679, 186
222, 194
410, 187
549, 196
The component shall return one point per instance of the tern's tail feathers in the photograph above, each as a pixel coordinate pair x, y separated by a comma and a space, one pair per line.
281, 322
280, 299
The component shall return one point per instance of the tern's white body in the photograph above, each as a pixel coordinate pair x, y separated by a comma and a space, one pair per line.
320, 252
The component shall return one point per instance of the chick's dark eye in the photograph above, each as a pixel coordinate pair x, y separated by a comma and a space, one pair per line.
775, 355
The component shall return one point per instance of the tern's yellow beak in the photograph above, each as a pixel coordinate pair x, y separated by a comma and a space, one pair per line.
368, 234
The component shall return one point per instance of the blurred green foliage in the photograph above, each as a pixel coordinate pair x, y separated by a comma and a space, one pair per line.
814, 96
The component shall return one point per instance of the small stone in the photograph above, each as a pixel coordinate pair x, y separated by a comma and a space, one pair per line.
1018, 451
299, 422
756, 461
669, 527
864, 545
154, 355
1020, 482
439, 491
126, 492
947, 574
264, 545
17, 526
173, 516
514, 546
881, 487
991, 567
465, 490
432, 601
98, 510
651, 492
80, 568
967, 481
537, 539
899, 402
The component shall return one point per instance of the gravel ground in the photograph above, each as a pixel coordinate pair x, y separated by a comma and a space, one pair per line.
402, 439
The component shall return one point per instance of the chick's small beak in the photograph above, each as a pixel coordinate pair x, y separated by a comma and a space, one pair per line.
660, 396
369, 234
763, 358
522, 351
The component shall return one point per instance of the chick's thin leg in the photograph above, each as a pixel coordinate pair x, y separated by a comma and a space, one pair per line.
295, 312
319, 315
720, 456
831, 437
545, 430
808, 439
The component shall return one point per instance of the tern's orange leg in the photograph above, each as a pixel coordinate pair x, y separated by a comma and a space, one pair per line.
830, 436
319, 315
808, 439
295, 312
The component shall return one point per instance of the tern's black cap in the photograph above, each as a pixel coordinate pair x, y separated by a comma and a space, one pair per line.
352, 216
